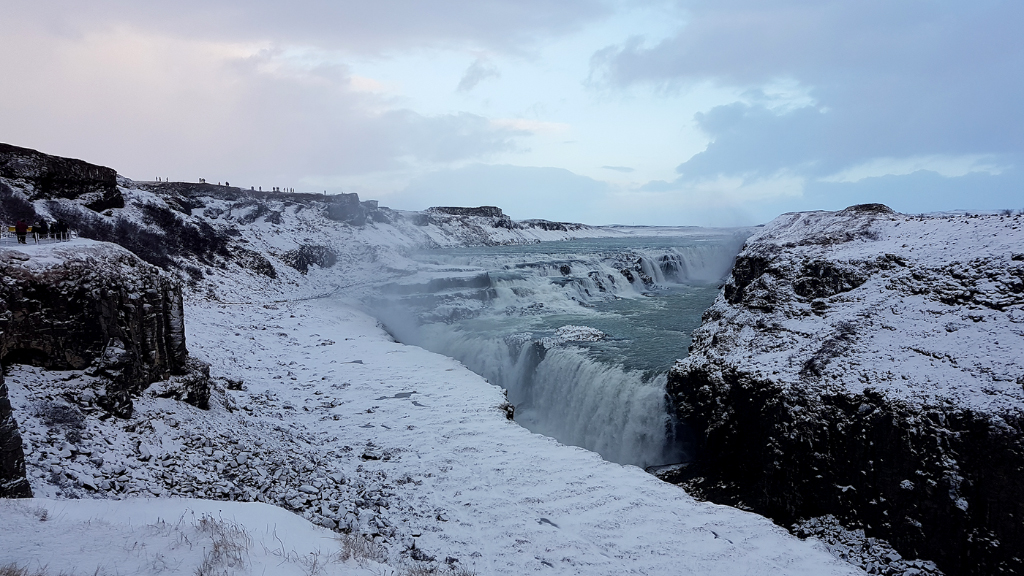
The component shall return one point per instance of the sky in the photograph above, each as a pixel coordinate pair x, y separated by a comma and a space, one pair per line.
688, 112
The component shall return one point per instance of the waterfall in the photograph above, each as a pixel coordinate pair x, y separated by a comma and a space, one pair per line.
495, 309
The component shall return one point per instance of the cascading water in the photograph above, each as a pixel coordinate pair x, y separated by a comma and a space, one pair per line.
502, 311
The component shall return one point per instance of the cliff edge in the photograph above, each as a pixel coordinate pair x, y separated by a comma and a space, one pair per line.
867, 364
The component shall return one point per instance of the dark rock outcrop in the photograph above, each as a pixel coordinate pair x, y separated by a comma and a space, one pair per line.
45, 177
866, 365
192, 387
307, 255
347, 208
485, 211
13, 482
99, 306
552, 226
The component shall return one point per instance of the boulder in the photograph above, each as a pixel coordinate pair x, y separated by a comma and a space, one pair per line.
72, 306
866, 364
307, 255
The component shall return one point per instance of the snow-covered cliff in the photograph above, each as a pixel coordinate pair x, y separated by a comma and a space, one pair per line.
870, 365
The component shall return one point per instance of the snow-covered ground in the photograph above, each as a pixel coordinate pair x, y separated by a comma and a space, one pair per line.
172, 536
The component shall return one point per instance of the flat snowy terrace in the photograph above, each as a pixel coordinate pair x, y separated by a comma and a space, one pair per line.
471, 484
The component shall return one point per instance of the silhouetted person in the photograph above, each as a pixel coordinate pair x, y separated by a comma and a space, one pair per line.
21, 229
60, 230
41, 230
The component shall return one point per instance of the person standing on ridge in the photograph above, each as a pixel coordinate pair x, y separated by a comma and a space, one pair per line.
21, 229
41, 230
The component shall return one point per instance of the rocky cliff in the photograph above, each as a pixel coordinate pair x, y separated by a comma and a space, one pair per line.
43, 176
92, 305
867, 364
13, 483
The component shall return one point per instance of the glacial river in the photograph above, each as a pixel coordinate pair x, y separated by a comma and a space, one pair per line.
581, 333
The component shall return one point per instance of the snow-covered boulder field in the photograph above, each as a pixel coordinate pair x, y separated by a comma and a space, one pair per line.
869, 365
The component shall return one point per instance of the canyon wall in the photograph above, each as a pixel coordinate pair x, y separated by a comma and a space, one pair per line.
866, 364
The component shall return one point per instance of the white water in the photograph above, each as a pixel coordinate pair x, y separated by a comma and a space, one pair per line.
496, 309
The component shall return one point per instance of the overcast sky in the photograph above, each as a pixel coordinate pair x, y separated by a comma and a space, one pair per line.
691, 112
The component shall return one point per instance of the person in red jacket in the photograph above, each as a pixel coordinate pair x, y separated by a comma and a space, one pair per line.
21, 229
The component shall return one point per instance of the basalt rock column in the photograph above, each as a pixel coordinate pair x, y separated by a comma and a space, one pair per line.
13, 483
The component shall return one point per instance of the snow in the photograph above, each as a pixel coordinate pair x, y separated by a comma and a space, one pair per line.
49, 253
573, 333
168, 536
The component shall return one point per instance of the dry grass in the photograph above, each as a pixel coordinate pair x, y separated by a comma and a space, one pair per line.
230, 547
430, 570
15, 570
356, 547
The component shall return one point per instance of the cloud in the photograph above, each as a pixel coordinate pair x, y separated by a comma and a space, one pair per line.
841, 91
477, 72
943, 165
623, 169
724, 190
251, 114
352, 25
531, 126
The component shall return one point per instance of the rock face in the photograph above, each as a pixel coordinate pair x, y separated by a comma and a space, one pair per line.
307, 254
347, 208
13, 483
71, 306
868, 365
45, 176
